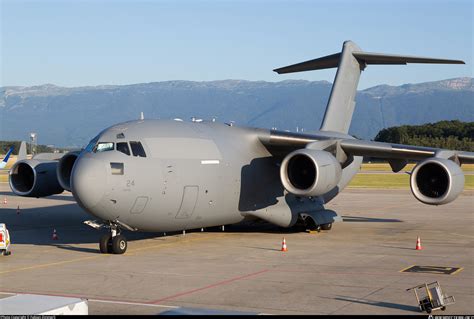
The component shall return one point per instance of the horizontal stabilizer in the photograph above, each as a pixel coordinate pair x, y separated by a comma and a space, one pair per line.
381, 58
332, 61
326, 62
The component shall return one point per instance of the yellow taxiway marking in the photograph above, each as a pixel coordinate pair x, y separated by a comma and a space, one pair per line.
454, 273
50, 264
132, 252
407, 268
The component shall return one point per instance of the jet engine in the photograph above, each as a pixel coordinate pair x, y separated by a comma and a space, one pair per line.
308, 172
436, 181
64, 169
34, 178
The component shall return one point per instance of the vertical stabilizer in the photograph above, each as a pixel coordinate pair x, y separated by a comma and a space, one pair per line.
350, 62
341, 102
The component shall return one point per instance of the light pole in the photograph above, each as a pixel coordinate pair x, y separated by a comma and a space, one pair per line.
33, 142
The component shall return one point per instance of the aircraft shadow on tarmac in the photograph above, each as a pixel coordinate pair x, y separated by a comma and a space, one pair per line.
379, 303
359, 219
57, 197
34, 226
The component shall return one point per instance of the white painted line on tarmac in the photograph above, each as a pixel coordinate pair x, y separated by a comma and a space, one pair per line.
102, 301
132, 303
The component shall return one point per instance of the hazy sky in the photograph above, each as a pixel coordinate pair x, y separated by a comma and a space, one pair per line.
79, 43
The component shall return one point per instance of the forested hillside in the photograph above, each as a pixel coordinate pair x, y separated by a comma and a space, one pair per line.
455, 135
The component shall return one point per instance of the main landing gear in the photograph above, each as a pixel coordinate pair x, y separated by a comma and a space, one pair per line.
312, 226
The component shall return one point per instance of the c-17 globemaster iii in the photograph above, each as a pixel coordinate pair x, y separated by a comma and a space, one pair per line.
166, 175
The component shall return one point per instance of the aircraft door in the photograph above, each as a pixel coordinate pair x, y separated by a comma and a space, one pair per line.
188, 203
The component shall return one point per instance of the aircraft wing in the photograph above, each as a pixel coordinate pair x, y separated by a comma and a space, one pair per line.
400, 151
281, 143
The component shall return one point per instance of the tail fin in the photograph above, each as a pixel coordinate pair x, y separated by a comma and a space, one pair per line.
22, 151
350, 62
7, 156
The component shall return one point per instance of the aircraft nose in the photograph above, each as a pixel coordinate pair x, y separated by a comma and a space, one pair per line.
88, 181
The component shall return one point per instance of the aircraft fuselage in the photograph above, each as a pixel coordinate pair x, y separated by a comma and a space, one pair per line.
187, 175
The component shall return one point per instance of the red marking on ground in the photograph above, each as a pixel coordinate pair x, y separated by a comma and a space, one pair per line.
210, 286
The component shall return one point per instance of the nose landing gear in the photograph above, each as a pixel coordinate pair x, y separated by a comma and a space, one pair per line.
113, 242
110, 244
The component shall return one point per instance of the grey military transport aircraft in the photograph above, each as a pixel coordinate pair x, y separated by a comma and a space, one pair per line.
168, 175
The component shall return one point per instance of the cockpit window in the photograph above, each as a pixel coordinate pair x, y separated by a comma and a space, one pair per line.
103, 147
123, 147
90, 146
137, 149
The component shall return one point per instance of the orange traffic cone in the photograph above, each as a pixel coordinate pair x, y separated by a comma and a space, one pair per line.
18, 210
283, 245
418, 244
5, 200
55, 235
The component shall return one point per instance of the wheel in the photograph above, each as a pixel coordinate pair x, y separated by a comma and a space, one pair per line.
428, 309
443, 308
326, 226
119, 244
311, 225
105, 244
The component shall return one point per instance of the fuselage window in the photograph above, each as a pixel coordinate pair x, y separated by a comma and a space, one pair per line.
123, 147
103, 147
137, 149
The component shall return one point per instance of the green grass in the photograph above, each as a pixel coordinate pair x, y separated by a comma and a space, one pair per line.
409, 167
401, 181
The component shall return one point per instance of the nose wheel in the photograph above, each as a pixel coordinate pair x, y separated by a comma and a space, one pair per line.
113, 243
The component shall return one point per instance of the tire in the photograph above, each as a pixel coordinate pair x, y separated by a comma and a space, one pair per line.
326, 226
443, 308
428, 310
105, 244
119, 244
311, 226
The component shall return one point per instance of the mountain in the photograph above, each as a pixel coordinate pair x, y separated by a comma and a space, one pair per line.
72, 116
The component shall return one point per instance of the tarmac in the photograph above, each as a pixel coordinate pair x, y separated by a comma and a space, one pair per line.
355, 268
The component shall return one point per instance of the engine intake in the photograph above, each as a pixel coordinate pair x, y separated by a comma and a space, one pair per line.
64, 169
307, 172
34, 178
436, 181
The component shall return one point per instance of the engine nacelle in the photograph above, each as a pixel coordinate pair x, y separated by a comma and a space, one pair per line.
34, 178
64, 169
307, 172
436, 181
